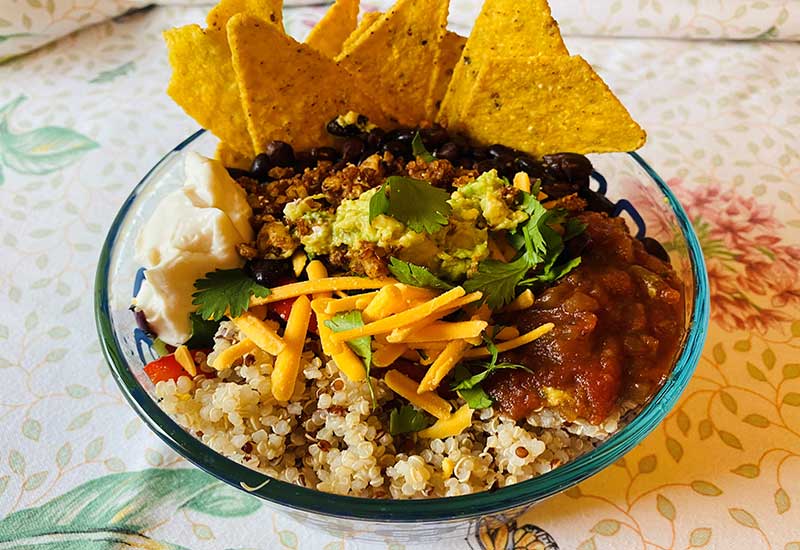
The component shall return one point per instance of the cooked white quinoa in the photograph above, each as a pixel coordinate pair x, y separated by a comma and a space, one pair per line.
327, 437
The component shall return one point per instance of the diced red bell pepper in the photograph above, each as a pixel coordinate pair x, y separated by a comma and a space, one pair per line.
163, 369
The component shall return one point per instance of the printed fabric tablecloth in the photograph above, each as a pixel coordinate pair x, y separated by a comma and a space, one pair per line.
83, 118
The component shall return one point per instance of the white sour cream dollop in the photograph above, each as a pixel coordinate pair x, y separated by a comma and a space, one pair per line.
192, 231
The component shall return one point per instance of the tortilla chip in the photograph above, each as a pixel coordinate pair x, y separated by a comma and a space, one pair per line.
203, 82
504, 28
204, 85
548, 104
395, 58
268, 10
452, 46
231, 158
289, 90
367, 20
328, 36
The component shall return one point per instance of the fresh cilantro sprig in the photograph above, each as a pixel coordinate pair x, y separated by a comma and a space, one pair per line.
225, 290
202, 332
419, 150
416, 275
538, 247
416, 203
468, 385
407, 419
361, 346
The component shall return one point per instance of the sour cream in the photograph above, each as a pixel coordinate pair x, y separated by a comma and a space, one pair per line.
192, 231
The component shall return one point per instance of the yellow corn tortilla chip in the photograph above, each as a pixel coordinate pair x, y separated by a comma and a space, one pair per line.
504, 28
231, 158
395, 58
289, 90
548, 104
328, 36
452, 46
268, 10
204, 85
203, 82
366, 22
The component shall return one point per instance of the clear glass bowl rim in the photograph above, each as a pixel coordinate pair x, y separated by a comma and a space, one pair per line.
385, 510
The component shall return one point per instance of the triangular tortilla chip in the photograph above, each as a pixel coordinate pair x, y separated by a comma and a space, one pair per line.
203, 82
328, 36
548, 104
367, 21
504, 28
231, 158
289, 90
395, 57
452, 46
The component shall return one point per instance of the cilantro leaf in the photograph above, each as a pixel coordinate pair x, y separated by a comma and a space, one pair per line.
416, 275
378, 204
476, 398
418, 149
572, 228
202, 332
225, 290
407, 419
416, 203
498, 280
361, 346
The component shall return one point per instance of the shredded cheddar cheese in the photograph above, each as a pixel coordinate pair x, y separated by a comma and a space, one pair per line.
407, 388
440, 331
444, 363
521, 302
228, 356
358, 301
388, 301
316, 270
261, 333
287, 363
511, 344
388, 354
350, 364
184, 358
328, 284
452, 425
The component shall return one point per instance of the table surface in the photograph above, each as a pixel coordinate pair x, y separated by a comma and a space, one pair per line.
83, 119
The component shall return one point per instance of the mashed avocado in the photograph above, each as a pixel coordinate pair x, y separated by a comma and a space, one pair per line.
451, 253
485, 194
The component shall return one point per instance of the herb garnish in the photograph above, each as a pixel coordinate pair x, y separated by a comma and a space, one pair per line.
225, 290
538, 246
416, 275
202, 332
416, 203
407, 419
468, 385
418, 149
361, 346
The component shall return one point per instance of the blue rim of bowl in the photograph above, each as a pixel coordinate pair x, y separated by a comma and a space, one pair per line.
378, 510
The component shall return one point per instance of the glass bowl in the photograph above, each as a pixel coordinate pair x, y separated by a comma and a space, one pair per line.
631, 183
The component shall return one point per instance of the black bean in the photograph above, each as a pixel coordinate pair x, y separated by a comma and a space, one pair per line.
480, 153
237, 173
596, 202
336, 129
280, 153
141, 321
403, 135
506, 165
268, 272
352, 148
570, 167
498, 150
325, 153
465, 162
434, 137
374, 139
398, 148
530, 166
449, 151
261, 167
485, 166
303, 160
655, 249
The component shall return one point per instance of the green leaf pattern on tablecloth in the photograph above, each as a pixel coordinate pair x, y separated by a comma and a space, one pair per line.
84, 119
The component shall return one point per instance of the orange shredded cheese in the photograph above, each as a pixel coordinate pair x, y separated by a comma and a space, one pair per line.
227, 356
329, 347
454, 424
358, 301
261, 333
388, 301
350, 364
440, 332
444, 363
287, 363
328, 284
388, 354
316, 270
407, 388
184, 358
511, 344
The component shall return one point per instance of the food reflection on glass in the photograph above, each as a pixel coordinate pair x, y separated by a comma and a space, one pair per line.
395, 280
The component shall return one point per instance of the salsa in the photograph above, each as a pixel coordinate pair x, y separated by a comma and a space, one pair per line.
618, 324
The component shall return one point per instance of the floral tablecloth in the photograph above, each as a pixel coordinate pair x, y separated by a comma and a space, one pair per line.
82, 119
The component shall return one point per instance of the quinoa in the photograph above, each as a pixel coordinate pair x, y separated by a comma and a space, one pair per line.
328, 436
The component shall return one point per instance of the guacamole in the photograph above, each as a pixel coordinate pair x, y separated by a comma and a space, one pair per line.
452, 252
